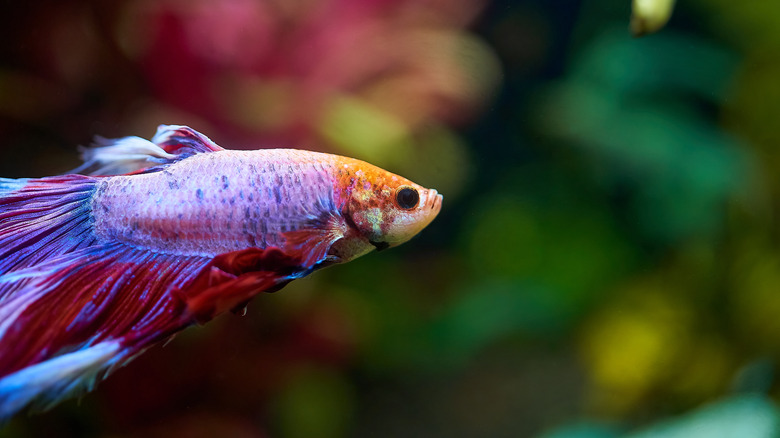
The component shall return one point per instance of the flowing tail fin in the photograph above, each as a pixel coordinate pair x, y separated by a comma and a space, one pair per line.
40, 219
73, 308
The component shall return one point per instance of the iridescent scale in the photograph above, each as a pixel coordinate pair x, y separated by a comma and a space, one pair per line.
217, 202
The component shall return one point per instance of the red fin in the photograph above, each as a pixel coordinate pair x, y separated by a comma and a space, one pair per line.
80, 315
312, 244
112, 302
96, 294
72, 309
115, 292
232, 279
178, 139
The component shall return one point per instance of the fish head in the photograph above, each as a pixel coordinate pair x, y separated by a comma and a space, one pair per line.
387, 209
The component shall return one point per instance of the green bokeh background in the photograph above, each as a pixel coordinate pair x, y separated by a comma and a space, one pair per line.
606, 263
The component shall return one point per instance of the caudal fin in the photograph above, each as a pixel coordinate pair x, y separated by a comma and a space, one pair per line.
79, 315
83, 314
8, 185
41, 219
62, 376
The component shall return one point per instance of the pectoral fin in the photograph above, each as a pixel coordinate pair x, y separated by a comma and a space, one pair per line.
312, 244
230, 280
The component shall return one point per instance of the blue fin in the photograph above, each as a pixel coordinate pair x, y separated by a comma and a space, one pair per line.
40, 219
8, 185
44, 384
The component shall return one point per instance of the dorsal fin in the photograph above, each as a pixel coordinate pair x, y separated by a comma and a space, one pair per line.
125, 155
178, 139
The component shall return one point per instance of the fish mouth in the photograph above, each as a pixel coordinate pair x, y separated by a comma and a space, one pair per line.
435, 199
380, 246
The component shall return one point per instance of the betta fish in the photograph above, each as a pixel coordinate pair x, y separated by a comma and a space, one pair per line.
150, 237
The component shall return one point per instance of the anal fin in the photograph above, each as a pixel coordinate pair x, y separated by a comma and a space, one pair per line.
230, 280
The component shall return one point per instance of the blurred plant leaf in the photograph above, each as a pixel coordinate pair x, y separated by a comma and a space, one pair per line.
632, 107
755, 305
571, 247
754, 26
583, 430
668, 65
743, 416
485, 313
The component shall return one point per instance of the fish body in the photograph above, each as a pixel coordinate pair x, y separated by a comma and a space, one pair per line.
95, 269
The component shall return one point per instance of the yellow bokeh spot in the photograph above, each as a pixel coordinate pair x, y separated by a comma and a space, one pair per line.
633, 345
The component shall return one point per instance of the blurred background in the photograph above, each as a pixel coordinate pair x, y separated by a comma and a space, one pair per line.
606, 264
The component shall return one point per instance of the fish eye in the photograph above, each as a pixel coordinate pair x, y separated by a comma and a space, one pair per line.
407, 197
